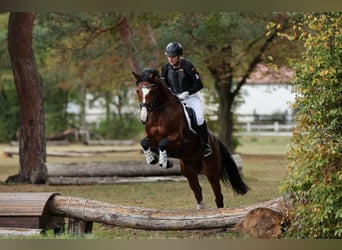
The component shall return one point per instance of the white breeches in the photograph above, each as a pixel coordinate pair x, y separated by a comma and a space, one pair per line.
194, 102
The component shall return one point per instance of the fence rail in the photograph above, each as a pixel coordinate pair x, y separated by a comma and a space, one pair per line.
266, 129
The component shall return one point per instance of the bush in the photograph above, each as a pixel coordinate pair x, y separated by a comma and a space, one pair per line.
315, 175
9, 114
120, 127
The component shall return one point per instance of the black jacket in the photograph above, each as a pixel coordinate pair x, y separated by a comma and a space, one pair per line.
182, 78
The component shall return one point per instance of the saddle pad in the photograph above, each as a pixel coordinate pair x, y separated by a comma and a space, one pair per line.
190, 119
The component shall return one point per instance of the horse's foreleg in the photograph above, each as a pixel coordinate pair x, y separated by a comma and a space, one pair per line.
163, 161
150, 158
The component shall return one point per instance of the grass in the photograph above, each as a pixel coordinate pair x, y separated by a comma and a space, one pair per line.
264, 164
264, 145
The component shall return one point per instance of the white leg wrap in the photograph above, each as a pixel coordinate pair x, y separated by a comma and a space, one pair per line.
200, 205
163, 158
149, 156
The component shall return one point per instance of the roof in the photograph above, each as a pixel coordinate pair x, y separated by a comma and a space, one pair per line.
264, 74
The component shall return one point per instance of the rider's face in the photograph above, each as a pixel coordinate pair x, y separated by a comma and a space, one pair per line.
173, 59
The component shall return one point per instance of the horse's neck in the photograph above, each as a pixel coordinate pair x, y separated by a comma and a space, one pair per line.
166, 96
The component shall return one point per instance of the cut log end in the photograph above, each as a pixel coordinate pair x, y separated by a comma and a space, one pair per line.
262, 223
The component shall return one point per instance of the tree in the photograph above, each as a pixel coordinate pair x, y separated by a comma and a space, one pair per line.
9, 107
88, 53
32, 145
314, 182
230, 45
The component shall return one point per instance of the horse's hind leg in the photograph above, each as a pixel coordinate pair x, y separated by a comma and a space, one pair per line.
191, 169
213, 172
216, 186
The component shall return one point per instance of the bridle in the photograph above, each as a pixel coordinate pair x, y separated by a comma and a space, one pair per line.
154, 105
150, 106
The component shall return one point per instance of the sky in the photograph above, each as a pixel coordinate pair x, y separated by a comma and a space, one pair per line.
265, 99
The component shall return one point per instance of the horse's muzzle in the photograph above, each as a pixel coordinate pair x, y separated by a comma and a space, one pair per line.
143, 114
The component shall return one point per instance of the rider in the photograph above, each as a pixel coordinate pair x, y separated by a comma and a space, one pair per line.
181, 77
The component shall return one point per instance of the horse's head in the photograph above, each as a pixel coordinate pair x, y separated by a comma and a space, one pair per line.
147, 90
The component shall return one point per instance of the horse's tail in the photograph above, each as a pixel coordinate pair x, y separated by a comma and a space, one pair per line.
230, 173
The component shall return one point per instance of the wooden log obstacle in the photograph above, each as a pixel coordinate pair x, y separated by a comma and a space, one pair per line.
74, 173
28, 210
83, 212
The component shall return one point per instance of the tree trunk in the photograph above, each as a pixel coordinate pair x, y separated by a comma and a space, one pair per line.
32, 144
151, 219
126, 37
226, 115
222, 72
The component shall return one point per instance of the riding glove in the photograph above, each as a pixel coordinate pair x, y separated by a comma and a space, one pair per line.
183, 95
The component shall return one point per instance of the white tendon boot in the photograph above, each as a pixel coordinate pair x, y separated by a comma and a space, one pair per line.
163, 159
200, 206
149, 156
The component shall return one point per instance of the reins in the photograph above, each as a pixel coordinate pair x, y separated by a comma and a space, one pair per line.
163, 105
154, 106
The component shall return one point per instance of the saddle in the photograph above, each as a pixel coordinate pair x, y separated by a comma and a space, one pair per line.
190, 117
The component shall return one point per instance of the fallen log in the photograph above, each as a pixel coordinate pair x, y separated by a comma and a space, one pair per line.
115, 168
62, 180
10, 153
110, 142
106, 169
74, 153
151, 219
48, 143
262, 223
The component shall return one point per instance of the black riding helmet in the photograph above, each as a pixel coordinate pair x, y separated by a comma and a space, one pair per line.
174, 49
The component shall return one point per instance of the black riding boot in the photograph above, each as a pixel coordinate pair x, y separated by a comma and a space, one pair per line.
203, 135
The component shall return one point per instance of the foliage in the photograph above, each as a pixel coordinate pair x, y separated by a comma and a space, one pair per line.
227, 46
10, 113
315, 175
83, 53
9, 107
120, 127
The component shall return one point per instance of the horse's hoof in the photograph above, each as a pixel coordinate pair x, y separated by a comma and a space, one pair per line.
169, 164
154, 162
200, 206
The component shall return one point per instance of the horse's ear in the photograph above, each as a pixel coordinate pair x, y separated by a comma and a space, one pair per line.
136, 76
154, 74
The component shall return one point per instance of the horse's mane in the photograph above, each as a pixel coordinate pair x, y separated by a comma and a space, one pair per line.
148, 75
152, 76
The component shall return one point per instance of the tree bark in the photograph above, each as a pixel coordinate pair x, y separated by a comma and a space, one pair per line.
222, 72
105, 169
225, 115
151, 219
32, 144
127, 39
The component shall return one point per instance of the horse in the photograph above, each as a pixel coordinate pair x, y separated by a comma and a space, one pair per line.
168, 134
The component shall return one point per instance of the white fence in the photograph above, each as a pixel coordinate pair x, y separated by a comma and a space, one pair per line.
266, 129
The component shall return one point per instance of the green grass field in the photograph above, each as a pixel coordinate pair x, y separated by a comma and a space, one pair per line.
264, 166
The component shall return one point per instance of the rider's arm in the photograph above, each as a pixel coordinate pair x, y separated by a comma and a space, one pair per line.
194, 76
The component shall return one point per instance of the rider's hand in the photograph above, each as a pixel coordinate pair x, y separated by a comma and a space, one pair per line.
183, 95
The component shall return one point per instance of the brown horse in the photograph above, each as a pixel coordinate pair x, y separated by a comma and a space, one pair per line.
168, 135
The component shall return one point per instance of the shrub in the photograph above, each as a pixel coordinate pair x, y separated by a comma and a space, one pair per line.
120, 127
315, 175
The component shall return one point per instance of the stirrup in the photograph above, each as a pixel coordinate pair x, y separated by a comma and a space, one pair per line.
206, 150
